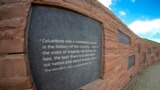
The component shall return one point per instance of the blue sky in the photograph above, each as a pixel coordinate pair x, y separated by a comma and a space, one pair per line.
141, 16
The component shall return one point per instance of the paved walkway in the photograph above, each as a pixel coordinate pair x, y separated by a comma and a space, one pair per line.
147, 79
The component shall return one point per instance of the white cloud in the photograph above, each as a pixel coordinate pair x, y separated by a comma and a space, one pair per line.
147, 28
133, 1
106, 3
122, 13
139, 26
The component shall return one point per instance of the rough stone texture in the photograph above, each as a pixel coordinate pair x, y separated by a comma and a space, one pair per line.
15, 83
9, 1
12, 45
14, 71
10, 34
12, 66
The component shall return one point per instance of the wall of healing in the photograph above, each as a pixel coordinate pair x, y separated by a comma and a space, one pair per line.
124, 53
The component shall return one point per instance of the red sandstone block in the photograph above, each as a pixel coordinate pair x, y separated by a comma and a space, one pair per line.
11, 34
12, 66
13, 24
109, 66
110, 44
96, 85
11, 45
14, 10
13, 16
17, 83
29, 89
13, 73
109, 74
9, 1
79, 3
15, 89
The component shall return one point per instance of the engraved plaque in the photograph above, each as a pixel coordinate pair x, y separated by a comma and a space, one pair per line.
123, 38
131, 61
144, 58
64, 48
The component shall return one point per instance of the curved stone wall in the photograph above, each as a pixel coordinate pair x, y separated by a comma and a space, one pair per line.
14, 68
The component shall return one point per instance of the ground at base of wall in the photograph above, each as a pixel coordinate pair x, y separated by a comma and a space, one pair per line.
147, 79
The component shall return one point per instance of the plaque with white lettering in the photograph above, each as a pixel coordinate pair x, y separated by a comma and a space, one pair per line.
64, 48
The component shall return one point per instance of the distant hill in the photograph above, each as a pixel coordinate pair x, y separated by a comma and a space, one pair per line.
155, 43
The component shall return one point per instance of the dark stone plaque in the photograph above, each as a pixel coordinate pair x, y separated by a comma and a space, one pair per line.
131, 61
123, 38
144, 57
64, 48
